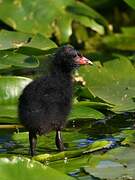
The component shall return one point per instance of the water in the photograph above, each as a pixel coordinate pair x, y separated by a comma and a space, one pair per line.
110, 129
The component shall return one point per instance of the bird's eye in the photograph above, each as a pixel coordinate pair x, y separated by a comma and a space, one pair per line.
74, 55
79, 54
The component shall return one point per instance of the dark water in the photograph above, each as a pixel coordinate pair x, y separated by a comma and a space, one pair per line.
86, 133
77, 135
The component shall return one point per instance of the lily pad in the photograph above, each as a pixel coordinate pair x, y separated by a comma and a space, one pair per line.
129, 137
25, 43
130, 3
114, 82
94, 104
78, 112
4, 66
10, 89
23, 168
120, 41
46, 143
128, 30
98, 145
83, 111
91, 23
47, 17
12, 86
8, 112
10, 59
115, 164
76, 144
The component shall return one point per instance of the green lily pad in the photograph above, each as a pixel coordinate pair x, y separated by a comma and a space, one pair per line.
72, 165
115, 164
10, 59
91, 23
83, 111
46, 143
114, 83
47, 17
130, 3
10, 89
8, 112
129, 137
12, 86
78, 112
120, 41
128, 30
98, 145
25, 43
5, 66
94, 104
46, 148
100, 4
23, 168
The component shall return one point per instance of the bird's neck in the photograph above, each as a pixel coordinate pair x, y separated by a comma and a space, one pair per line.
58, 72
64, 82
64, 79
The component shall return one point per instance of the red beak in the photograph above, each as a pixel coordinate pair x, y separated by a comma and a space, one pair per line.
82, 60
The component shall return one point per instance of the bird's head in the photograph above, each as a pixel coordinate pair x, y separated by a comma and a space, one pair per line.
67, 58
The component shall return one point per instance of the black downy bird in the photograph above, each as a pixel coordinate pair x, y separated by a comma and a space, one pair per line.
46, 102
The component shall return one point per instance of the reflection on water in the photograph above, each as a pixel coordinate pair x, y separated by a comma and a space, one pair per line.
80, 136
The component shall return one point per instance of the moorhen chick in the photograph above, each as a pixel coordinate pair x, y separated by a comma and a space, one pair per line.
46, 102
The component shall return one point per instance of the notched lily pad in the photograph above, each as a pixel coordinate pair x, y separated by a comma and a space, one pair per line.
129, 137
25, 43
120, 41
10, 59
130, 3
83, 111
10, 89
114, 83
36, 17
115, 164
97, 145
23, 168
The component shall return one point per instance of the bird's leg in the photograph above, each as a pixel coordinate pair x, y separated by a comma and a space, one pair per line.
33, 141
58, 140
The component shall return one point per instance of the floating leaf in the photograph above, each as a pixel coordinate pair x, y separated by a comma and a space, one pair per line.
100, 4
128, 30
98, 145
130, 3
114, 83
92, 24
129, 137
8, 112
115, 164
26, 43
94, 104
10, 59
4, 66
83, 9
46, 148
46, 143
10, 89
120, 41
83, 111
23, 168
46, 18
